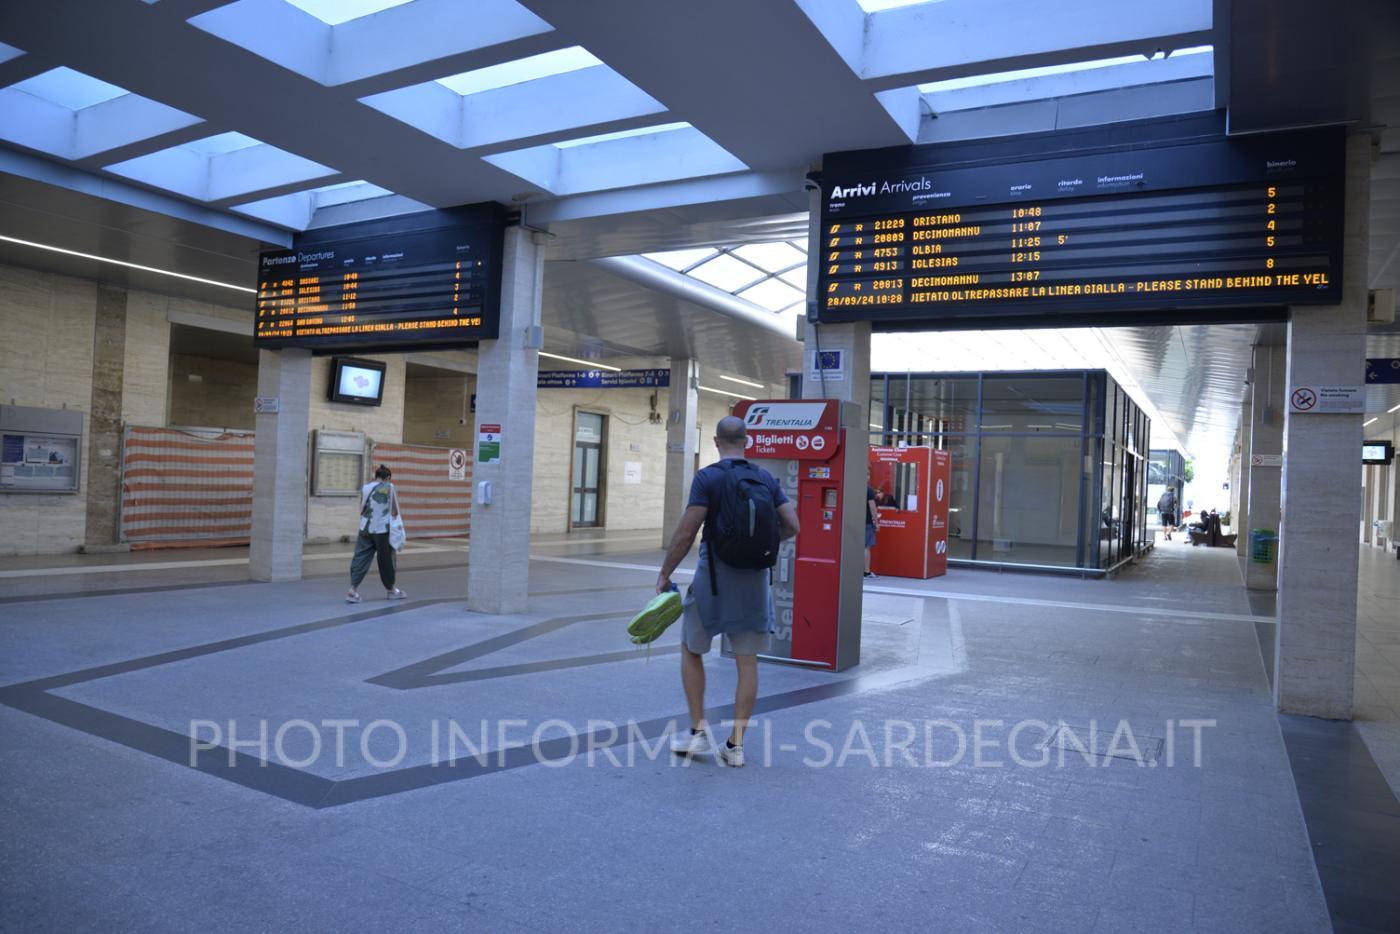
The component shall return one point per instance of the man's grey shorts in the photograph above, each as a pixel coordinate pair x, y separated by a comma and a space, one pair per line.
741, 643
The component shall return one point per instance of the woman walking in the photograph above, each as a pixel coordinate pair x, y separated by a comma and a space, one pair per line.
379, 503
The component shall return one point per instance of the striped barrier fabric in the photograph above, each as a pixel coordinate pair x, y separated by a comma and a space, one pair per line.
433, 506
183, 489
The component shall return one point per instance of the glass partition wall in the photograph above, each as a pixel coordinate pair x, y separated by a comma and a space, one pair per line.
1049, 467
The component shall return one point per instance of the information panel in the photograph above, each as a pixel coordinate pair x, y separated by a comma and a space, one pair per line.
1207, 222
430, 279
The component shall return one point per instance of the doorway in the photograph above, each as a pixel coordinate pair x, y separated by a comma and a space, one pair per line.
586, 502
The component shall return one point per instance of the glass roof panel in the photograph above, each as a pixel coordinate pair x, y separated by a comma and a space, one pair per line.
797, 277
771, 257
346, 192
875, 6
773, 294
221, 144
335, 12
726, 272
622, 134
681, 259
557, 62
71, 89
972, 81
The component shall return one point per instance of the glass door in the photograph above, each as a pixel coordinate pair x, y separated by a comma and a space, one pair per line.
586, 503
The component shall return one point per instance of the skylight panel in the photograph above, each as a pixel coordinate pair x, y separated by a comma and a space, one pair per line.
875, 6
220, 145
773, 294
682, 259
771, 257
559, 62
70, 89
796, 277
347, 192
622, 134
973, 81
335, 12
726, 272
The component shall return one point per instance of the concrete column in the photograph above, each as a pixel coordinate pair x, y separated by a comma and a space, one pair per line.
681, 440
1239, 492
105, 426
507, 373
279, 466
1321, 497
1266, 437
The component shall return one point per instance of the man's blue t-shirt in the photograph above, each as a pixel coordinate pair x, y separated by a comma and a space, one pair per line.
708, 484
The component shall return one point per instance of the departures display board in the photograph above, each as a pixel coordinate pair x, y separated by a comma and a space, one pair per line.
428, 279
908, 237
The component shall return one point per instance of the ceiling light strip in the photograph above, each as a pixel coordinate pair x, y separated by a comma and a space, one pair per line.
591, 364
742, 382
122, 262
726, 392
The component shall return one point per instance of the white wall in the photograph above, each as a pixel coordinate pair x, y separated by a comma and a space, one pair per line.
630, 437
46, 362
335, 517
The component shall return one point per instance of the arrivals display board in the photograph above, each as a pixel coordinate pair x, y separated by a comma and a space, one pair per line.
420, 280
909, 235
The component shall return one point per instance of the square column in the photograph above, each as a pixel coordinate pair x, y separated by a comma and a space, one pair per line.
680, 443
1265, 481
498, 564
1240, 477
1321, 494
279, 466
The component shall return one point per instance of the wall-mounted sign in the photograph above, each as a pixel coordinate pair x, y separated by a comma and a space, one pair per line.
40, 449
1383, 370
456, 464
632, 473
267, 405
1266, 460
488, 444
1327, 400
828, 366
603, 379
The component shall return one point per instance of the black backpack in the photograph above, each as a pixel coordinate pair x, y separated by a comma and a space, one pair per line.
745, 530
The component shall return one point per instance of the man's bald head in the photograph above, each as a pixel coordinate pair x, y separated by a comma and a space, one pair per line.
730, 434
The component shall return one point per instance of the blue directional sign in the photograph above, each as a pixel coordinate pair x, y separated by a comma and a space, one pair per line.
604, 379
1383, 370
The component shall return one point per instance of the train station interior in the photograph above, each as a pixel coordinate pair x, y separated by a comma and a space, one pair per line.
1068, 329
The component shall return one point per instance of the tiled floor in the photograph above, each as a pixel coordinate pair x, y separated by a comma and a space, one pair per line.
1353, 822
1377, 710
859, 809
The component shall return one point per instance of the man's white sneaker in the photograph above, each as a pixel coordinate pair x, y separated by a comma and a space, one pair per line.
395, 594
690, 744
732, 756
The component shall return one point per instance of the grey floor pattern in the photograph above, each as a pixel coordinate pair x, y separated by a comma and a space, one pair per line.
101, 835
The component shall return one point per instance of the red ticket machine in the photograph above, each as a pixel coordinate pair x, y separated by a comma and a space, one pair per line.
817, 582
911, 489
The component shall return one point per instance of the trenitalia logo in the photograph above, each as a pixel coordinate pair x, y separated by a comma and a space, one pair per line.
790, 416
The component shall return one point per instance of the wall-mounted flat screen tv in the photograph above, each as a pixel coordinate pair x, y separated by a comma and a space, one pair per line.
356, 381
1377, 452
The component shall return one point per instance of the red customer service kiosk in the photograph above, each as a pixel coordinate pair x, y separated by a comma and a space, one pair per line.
911, 487
817, 581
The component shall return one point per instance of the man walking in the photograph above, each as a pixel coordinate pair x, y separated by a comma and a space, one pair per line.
1166, 510
744, 514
